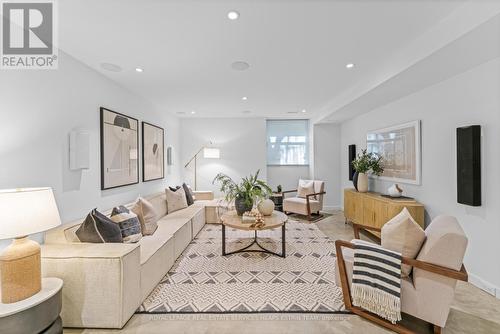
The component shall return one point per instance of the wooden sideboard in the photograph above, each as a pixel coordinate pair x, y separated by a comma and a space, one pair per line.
372, 209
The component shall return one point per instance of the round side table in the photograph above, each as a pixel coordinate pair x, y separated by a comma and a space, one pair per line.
36, 314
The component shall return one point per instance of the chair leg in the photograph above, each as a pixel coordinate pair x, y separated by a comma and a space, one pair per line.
437, 329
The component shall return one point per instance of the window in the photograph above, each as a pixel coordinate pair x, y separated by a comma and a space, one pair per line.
288, 142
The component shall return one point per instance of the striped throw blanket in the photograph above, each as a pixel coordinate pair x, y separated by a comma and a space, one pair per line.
376, 280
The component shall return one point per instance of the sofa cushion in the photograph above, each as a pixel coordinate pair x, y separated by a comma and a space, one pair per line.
176, 200
128, 222
305, 188
98, 228
402, 234
147, 216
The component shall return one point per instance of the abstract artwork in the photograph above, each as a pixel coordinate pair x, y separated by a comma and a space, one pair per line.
119, 149
400, 148
153, 166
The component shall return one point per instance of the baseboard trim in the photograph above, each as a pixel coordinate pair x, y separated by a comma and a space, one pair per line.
484, 285
331, 207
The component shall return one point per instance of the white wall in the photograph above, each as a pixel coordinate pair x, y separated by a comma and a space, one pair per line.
327, 163
242, 144
286, 176
469, 98
38, 110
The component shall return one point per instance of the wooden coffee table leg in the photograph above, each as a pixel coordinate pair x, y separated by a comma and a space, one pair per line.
223, 239
283, 241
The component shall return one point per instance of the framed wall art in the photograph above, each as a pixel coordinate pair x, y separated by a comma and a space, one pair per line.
400, 147
153, 155
119, 149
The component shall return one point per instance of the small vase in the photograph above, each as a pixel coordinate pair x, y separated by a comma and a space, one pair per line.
362, 182
266, 207
241, 206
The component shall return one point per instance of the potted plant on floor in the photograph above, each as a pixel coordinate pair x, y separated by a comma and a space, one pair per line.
364, 164
244, 194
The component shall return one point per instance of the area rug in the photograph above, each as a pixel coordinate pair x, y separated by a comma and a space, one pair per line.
314, 218
204, 281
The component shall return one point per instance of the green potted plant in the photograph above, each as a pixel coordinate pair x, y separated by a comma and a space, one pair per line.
244, 194
366, 163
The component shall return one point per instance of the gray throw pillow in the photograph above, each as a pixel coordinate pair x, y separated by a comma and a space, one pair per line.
189, 194
97, 228
129, 224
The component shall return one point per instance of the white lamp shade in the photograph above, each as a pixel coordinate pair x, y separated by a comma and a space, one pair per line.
27, 211
211, 153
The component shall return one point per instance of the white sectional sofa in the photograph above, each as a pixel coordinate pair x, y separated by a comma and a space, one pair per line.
104, 284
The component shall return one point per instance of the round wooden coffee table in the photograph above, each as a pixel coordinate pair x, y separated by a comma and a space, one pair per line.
276, 220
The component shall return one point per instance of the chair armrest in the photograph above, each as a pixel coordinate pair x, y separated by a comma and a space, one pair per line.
430, 267
358, 227
287, 192
320, 193
203, 195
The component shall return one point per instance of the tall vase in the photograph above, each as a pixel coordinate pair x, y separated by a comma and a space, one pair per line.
362, 182
355, 180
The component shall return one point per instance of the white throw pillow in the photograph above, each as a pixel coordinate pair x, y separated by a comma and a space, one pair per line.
305, 188
147, 216
402, 234
176, 200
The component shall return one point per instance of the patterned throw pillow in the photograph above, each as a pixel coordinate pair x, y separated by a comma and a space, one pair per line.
176, 200
147, 216
305, 188
129, 223
189, 194
97, 228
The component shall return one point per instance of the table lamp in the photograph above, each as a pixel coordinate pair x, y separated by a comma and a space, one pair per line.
24, 211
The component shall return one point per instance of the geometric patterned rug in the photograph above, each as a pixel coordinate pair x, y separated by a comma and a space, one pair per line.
204, 281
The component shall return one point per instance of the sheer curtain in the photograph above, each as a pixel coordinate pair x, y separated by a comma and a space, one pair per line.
287, 142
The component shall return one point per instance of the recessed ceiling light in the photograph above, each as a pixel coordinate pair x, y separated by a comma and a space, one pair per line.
111, 67
233, 15
181, 113
303, 110
244, 98
138, 69
292, 112
193, 112
240, 66
350, 65
246, 111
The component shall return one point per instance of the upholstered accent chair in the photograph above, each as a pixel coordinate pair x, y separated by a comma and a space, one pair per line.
309, 204
428, 292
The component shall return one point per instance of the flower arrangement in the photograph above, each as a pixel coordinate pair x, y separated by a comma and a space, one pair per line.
368, 162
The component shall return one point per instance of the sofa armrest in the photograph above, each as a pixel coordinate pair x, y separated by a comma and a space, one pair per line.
102, 286
203, 195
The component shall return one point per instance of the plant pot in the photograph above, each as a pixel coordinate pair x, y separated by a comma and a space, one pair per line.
266, 207
362, 182
241, 206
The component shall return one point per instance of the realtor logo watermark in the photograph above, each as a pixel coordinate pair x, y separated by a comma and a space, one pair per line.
29, 35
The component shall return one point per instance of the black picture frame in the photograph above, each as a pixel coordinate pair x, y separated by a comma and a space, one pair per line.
103, 148
145, 177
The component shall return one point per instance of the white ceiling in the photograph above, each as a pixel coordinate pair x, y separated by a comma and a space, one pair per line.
297, 50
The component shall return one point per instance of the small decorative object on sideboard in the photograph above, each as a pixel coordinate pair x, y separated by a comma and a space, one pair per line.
363, 164
279, 188
244, 194
395, 190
